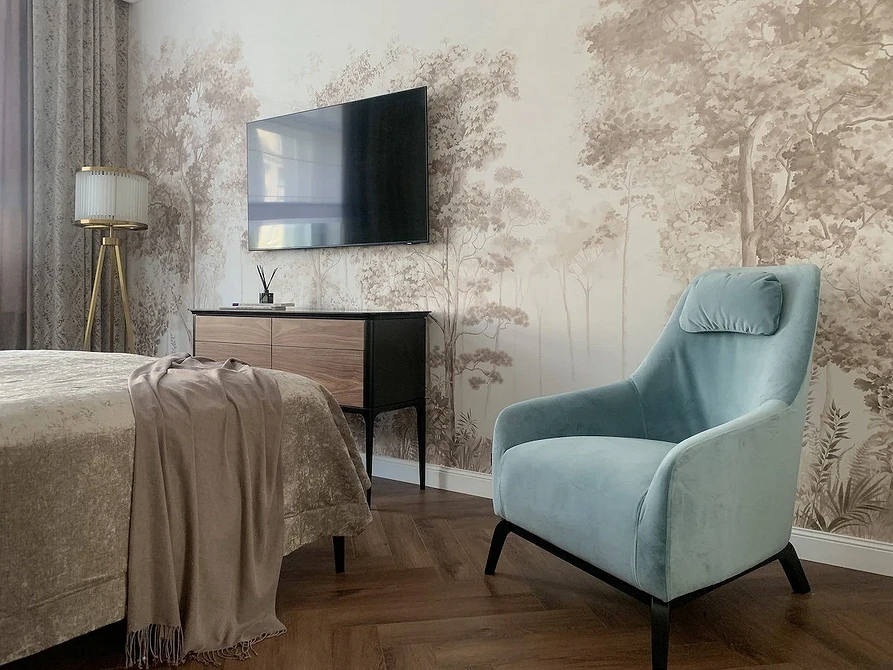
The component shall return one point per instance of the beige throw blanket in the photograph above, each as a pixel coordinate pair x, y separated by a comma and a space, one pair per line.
66, 476
206, 529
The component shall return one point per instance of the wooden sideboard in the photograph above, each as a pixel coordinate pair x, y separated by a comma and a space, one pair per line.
371, 362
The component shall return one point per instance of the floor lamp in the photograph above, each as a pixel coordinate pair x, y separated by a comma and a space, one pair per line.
116, 199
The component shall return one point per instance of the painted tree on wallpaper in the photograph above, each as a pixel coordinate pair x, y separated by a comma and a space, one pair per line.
763, 127
515, 211
634, 200
576, 246
194, 103
468, 218
473, 222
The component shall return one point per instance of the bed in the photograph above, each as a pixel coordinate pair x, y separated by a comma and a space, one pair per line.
66, 466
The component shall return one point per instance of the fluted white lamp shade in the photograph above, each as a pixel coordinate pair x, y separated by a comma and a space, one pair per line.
111, 197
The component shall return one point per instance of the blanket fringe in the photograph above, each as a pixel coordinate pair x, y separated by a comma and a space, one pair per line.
156, 643
238, 652
159, 644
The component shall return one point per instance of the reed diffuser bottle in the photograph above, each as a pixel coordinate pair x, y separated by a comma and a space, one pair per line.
266, 298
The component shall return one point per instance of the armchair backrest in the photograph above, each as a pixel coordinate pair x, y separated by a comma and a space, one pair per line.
690, 382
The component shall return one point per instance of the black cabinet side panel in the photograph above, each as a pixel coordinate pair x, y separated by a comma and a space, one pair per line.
398, 360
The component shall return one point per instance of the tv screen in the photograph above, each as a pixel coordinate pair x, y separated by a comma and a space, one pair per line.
350, 174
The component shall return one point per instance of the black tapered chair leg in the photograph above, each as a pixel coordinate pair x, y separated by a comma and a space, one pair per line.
660, 634
369, 421
794, 569
338, 545
503, 528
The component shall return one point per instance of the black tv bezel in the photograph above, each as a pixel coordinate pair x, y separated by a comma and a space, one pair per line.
425, 240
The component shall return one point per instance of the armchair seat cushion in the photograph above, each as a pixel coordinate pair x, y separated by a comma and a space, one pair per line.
582, 494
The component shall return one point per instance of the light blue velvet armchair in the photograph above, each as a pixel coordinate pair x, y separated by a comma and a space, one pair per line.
682, 477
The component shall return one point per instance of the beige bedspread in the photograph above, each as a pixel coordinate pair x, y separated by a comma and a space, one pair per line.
66, 465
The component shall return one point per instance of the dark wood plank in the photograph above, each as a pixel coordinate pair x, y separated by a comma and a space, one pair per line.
357, 648
512, 625
410, 657
306, 644
404, 541
448, 555
329, 582
871, 628
373, 541
580, 648
395, 603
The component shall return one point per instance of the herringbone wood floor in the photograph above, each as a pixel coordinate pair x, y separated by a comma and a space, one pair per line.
415, 597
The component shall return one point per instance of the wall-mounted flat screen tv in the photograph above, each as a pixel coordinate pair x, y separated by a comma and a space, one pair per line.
345, 175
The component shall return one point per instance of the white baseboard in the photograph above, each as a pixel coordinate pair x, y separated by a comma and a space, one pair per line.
843, 551
812, 545
478, 484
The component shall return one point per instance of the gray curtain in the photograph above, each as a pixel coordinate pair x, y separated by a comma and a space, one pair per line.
80, 118
15, 172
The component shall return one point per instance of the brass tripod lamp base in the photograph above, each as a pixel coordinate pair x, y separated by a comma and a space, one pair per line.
115, 244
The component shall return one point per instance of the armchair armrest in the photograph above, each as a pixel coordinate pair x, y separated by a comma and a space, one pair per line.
721, 501
614, 410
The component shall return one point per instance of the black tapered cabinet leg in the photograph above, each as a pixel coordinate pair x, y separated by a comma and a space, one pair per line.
369, 421
338, 545
503, 528
420, 423
660, 634
793, 569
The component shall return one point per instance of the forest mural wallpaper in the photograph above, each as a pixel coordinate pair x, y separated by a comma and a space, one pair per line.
586, 160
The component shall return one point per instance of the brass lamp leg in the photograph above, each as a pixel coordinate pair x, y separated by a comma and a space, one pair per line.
128, 327
111, 306
91, 313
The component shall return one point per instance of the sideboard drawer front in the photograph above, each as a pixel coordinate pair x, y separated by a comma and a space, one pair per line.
236, 329
339, 370
319, 333
257, 355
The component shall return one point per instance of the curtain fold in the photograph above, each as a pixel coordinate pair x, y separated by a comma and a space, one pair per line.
80, 118
15, 172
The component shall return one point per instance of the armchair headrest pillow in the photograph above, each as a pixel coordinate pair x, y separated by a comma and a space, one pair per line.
747, 302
